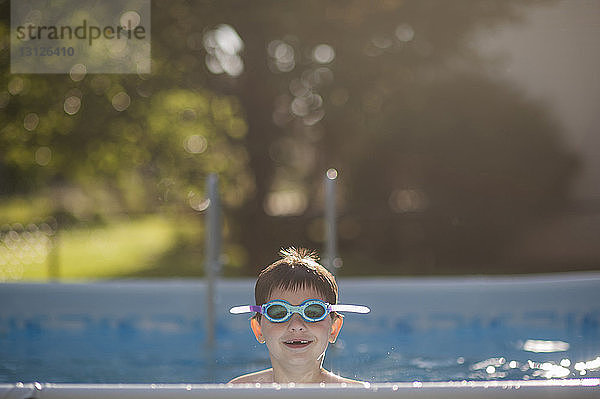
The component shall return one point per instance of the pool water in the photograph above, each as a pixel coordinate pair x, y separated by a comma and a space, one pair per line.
419, 330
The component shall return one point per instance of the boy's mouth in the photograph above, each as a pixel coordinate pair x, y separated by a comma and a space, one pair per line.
297, 343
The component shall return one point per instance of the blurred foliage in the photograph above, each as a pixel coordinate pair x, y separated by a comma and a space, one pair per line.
117, 142
162, 145
439, 164
139, 247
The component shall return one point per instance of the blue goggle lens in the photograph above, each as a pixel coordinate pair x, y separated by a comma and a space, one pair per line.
277, 312
314, 311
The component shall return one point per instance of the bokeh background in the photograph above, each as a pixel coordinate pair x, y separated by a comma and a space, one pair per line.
464, 133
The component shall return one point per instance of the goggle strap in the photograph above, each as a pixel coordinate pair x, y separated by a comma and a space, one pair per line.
350, 308
333, 308
245, 309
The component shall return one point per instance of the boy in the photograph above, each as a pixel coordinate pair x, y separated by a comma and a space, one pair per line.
296, 304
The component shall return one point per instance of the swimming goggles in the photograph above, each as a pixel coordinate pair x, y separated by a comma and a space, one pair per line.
311, 310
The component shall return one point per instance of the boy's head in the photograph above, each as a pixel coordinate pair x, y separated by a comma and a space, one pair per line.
298, 298
295, 340
297, 269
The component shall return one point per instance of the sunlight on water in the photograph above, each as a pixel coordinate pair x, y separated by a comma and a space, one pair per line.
538, 346
584, 367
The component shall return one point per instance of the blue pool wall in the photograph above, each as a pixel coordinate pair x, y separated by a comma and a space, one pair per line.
154, 331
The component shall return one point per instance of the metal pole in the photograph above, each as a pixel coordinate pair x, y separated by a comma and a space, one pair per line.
53, 233
53, 256
331, 260
213, 250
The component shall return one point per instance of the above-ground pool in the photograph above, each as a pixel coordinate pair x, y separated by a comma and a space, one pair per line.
419, 330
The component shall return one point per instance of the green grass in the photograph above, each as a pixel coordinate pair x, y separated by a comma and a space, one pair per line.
24, 209
114, 250
124, 248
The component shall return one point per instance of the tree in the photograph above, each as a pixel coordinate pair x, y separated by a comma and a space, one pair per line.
438, 163
392, 95
143, 140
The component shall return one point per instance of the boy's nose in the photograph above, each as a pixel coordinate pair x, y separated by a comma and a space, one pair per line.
296, 323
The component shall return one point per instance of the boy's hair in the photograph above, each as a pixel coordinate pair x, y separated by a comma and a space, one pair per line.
297, 269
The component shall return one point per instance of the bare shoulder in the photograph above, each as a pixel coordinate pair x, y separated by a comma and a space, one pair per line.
332, 378
252, 378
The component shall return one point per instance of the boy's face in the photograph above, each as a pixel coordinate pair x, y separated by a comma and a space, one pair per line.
297, 342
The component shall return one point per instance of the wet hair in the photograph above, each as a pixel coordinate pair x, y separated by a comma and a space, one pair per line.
297, 269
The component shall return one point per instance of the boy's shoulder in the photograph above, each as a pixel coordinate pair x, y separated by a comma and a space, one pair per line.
263, 376
266, 376
332, 378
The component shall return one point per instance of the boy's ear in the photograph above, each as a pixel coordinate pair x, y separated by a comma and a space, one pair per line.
255, 325
335, 328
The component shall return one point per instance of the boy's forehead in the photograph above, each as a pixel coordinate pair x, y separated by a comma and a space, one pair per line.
295, 295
